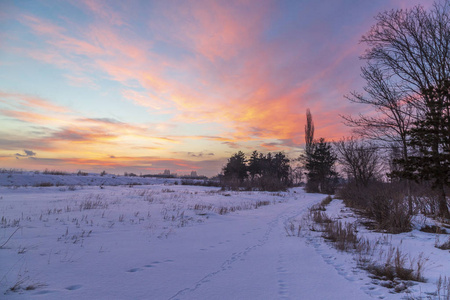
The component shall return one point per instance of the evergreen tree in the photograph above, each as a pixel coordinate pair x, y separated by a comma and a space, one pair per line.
430, 136
235, 171
254, 165
322, 177
282, 168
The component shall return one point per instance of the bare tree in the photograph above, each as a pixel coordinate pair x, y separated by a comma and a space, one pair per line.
360, 160
393, 116
408, 54
411, 48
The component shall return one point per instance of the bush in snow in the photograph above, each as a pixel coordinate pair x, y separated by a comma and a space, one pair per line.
385, 203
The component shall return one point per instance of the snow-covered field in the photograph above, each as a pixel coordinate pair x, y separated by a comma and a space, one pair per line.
19, 178
165, 241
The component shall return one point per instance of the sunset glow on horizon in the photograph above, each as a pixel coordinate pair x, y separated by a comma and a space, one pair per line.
144, 86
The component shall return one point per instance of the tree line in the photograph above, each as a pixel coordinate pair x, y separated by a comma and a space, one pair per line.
268, 172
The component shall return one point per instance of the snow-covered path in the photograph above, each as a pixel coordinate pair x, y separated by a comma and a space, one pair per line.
265, 264
241, 255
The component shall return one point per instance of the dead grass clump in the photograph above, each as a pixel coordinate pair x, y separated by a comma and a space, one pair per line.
395, 267
93, 204
202, 207
261, 203
54, 172
11, 171
317, 207
433, 229
24, 283
443, 246
223, 210
43, 184
4, 223
343, 235
327, 200
443, 288
150, 196
320, 217
292, 230
322, 205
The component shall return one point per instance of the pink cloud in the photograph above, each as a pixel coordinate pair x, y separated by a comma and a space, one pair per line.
216, 30
101, 9
29, 101
144, 100
230, 73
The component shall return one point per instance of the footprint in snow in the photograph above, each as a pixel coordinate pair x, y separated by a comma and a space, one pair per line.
43, 292
148, 266
282, 289
73, 287
134, 270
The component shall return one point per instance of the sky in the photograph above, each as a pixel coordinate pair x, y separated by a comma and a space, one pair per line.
144, 86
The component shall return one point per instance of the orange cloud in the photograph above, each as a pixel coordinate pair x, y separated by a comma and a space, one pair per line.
29, 116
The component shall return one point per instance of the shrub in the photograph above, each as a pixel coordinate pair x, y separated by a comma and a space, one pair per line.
268, 183
385, 203
426, 199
